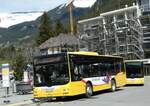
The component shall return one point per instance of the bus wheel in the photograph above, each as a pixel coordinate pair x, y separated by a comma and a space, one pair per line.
89, 90
113, 85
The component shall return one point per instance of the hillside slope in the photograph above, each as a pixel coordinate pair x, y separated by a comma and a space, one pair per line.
27, 30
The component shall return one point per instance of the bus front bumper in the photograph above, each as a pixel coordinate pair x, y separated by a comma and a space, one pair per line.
135, 81
40, 93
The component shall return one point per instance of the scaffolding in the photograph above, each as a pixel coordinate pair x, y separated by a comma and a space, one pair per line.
117, 32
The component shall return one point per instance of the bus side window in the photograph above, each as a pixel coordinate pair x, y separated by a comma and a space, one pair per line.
76, 73
122, 67
98, 70
117, 67
102, 68
113, 69
85, 71
94, 70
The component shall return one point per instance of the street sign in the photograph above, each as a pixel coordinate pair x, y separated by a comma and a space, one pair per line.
5, 75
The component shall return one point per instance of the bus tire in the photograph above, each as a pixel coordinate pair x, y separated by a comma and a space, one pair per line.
89, 90
113, 85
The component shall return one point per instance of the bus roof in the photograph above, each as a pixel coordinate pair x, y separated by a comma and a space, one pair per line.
92, 54
77, 53
84, 53
45, 56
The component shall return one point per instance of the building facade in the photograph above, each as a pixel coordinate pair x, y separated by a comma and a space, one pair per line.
145, 20
117, 32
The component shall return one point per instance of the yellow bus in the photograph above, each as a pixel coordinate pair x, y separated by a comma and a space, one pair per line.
134, 72
75, 73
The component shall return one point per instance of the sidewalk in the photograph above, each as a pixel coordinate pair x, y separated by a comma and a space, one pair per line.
14, 98
3, 92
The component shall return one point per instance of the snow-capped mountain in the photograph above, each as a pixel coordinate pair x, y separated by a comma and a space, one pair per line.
9, 19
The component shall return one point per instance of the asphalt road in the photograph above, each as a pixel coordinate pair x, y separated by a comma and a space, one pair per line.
125, 96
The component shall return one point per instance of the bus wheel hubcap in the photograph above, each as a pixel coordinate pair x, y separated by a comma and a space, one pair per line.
113, 86
89, 90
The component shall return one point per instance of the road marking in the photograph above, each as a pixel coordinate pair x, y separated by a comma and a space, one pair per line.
21, 103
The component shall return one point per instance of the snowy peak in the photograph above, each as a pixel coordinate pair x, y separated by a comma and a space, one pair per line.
79, 4
9, 19
61, 6
83, 3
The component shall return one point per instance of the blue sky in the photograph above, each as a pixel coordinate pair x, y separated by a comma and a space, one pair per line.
28, 5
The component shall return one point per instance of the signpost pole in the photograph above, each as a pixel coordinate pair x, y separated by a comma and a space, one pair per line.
5, 79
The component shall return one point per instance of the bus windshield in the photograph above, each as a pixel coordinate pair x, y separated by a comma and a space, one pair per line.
52, 71
134, 70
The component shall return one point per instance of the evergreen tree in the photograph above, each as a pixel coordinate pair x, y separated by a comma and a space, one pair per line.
7, 52
45, 30
59, 28
19, 64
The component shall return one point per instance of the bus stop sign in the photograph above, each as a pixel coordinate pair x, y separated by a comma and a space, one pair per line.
5, 75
